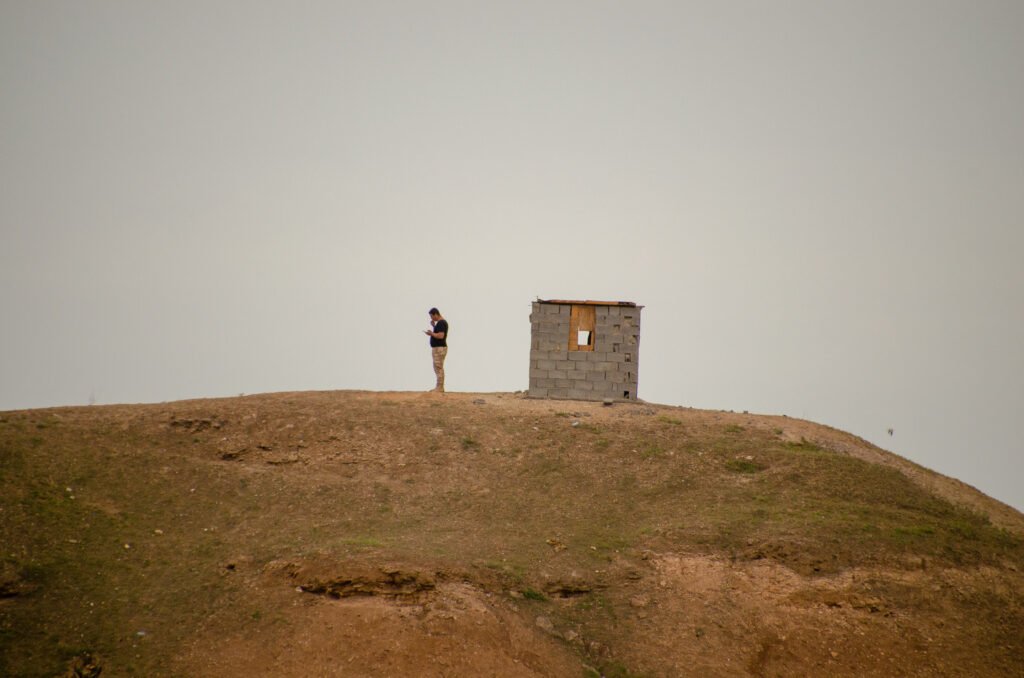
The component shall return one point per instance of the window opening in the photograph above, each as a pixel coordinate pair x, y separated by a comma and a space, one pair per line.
582, 321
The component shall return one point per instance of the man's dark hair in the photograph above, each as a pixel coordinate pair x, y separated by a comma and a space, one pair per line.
434, 311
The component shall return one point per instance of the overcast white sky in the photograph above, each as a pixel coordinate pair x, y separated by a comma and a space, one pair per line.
819, 204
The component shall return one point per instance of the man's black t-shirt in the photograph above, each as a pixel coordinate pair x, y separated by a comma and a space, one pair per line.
440, 326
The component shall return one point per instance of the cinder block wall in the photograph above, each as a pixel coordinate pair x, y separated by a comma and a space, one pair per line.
609, 371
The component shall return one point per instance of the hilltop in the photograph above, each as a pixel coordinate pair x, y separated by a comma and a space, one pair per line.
398, 534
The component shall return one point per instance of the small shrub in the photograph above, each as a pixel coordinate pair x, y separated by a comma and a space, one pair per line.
804, 445
908, 533
743, 466
652, 451
617, 669
964, 529
530, 594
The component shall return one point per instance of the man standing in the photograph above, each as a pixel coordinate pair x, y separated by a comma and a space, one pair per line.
438, 334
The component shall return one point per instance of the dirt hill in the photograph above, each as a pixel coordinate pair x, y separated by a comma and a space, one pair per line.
399, 534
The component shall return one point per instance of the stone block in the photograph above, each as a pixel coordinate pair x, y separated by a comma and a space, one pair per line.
547, 364
558, 341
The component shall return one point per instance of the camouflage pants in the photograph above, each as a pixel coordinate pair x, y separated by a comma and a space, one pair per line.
439, 353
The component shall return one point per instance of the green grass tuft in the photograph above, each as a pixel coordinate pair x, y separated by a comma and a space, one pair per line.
531, 594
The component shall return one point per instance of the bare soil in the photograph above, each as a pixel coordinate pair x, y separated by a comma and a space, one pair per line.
398, 534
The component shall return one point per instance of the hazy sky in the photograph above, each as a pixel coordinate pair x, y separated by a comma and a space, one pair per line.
819, 204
